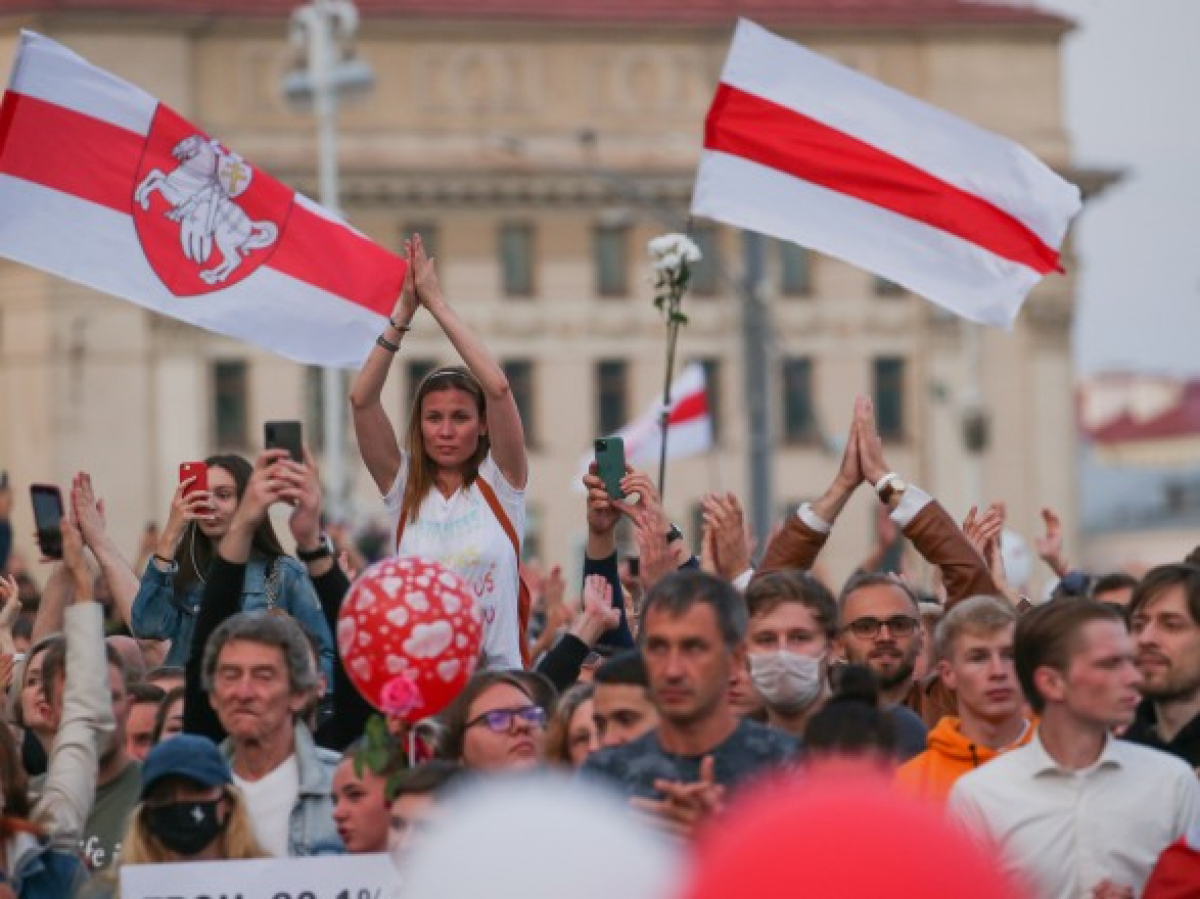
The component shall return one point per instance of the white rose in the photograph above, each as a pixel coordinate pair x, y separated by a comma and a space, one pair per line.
668, 262
667, 244
689, 251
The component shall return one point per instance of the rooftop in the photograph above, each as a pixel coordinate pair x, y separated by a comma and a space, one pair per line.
811, 13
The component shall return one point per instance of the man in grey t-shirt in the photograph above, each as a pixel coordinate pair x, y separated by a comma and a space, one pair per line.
693, 631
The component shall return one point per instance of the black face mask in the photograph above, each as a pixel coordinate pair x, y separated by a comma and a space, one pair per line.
184, 827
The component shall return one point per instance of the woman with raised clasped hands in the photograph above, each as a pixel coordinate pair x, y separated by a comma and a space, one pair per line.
455, 491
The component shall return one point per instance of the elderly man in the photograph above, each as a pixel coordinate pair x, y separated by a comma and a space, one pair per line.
260, 676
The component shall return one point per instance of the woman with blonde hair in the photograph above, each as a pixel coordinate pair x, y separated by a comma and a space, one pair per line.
456, 491
190, 811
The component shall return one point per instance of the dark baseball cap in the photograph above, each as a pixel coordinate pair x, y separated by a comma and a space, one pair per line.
188, 756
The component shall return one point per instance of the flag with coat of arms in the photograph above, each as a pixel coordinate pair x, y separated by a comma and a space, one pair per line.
102, 184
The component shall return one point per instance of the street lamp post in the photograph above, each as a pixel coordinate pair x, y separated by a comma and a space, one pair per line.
324, 30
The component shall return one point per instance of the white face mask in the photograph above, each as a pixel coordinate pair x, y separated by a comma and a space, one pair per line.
787, 681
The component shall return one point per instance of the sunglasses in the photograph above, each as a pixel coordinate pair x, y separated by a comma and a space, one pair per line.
500, 721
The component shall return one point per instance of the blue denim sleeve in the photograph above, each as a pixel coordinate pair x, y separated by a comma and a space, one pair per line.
620, 637
155, 615
300, 599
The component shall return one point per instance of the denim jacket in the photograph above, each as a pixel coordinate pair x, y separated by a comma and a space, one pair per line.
159, 614
42, 872
311, 831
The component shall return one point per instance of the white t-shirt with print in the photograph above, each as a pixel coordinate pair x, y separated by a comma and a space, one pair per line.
463, 533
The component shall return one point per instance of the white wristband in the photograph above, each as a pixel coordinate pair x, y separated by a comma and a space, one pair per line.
884, 481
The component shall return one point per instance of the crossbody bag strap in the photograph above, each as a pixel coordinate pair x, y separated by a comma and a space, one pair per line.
494, 501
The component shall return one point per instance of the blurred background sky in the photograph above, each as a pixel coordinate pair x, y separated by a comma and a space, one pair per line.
1132, 87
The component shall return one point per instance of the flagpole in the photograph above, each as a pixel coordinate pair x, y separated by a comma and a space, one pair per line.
756, 335
317, 27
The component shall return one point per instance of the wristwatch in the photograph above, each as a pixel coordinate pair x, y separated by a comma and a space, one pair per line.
674, 534
891, 484
324, 550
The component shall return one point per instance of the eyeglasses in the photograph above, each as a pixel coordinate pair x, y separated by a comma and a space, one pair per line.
897, 625
500, 721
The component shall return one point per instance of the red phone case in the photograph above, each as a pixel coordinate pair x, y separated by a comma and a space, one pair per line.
197, 470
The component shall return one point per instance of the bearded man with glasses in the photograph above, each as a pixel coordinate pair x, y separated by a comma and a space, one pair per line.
880, 627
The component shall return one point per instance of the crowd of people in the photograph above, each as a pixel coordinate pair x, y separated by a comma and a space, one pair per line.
193, 706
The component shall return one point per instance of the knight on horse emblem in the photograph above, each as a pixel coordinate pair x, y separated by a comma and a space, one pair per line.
201, 192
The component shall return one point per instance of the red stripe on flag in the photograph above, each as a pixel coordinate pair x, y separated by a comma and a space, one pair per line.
98, 162
790, 142
68, 151
332, 257
689, 408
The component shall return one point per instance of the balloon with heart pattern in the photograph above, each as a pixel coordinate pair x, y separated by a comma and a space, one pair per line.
409, 633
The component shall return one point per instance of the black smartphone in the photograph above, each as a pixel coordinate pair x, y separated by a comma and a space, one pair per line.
285, 435
635, 565
47, 518
610, 464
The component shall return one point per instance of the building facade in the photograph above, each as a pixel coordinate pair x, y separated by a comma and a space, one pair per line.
538, 146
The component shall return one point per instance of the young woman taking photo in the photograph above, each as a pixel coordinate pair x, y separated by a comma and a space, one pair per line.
168, 598
456, 490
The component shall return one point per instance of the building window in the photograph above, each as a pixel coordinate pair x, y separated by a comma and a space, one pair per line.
429, 236
516, 259
712, 390
520, 381
416, 371
889, 379
885, 288
704, 274
231, 404
610, 245
612, 392
799, 415
795, 270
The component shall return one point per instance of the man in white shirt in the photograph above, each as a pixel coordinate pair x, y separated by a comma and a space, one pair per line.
1076, 813
260, 675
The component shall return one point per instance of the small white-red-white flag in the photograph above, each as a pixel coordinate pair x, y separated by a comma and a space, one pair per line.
801, 148
689, 425
102, 184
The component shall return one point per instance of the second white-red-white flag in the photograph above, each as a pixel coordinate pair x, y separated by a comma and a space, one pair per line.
102, 184
801, 148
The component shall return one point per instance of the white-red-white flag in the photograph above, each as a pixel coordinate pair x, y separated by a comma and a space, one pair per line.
102, 184
689, 425
801, 148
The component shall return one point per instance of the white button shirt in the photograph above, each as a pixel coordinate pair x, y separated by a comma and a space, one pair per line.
1062, 831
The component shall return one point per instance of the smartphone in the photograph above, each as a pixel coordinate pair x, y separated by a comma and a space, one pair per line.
635, 565
197, 470
47, 517
610, 464
285, 435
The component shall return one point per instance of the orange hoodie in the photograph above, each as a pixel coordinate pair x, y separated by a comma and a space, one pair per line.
950, 755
